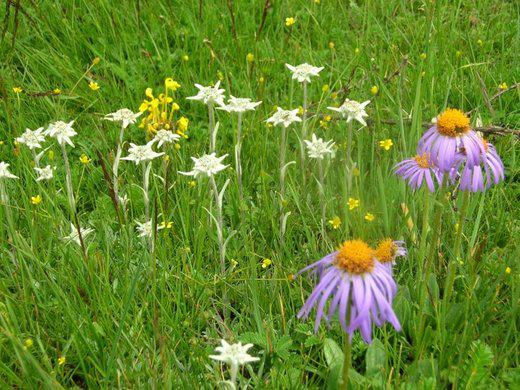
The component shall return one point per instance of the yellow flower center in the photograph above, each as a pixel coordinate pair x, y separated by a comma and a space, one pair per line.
452, 123
422, 160
486, 144
386, 250
356, 257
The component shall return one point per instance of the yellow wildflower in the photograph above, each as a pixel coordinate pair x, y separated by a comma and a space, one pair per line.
369, 217
185, 58
167, 225
480, 43
266, 263
28, 343
331, 45
170, 83
61, 360
261, 80
93, 86
353, 203
250, 57
84, 159
374, 90
182, 124
386, 144
234, 263
36, 200
289, 21
508, 270
423, 56
220, 75
17, 90
95, 61
356, 50
458, 54
51, 154
148, 92
502, 86
56, 91
325, 88
335, 222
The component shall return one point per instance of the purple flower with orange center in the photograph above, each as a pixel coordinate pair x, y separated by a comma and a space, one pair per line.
445, 139
388, 250
417, 170
354, 285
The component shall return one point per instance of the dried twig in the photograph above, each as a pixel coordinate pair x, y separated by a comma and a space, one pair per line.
108, 182
264, 17
485, 94
233, 25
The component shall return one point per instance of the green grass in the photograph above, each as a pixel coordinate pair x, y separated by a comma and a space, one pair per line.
123, 319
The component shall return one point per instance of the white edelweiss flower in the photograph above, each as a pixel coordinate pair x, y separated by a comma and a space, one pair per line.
234, 354
74, 237
304, 72
284, 117
32, 138
123, 199
124, 115
62, 131
145, 229
165, 137
45, 173
209, 95
351, 109
207, 165
239, 105
141, 153
4, 171
317, 148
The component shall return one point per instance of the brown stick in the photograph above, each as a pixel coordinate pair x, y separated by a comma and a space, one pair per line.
233, 25
108, 181
264, 17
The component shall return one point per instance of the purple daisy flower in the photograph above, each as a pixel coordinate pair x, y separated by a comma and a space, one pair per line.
358, 288
479, 177
388, 250
417, 170
451, 134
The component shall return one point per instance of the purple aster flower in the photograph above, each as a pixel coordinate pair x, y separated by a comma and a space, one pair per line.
479, 177
417, 170
451, 134
357, 288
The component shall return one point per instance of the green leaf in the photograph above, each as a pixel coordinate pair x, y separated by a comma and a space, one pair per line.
375, 358
333, 352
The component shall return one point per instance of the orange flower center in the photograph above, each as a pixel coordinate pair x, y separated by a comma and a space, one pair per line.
356, 257
386, 250
422, 160
452, 123
486, 144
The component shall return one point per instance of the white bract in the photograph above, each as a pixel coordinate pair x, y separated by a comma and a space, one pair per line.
145, 229
74, 236
165, 137
45, 173
207, 165
351, 109
4, 171
209, 95
304, 72
234, 354
239, 105
317, 148
124, 115
141, 153
32, 138
284, 117
62, 131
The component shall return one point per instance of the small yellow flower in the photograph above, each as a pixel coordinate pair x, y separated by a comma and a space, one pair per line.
423, 73
175, 107
182, 124
170, 83
289, 21
457, 227
480, 43
317, 1
28, 343
356, 50
334, 95
374, 90
266, 263
353, 203
148, 93
51, 154
56, 91
458, 54
185, 58
327, 118
36, 200
324, 124
93, 86
331, 45
1, 142
300, 110
369, 217
502, 86
84, 159
335, 222
167, 225
17, 90
423, 56
193, 183
61, 360
250, 57
325, 88
508, 270
220, 75
261, 80
386, 144
234, 263
177, 146
166, 158
95, 61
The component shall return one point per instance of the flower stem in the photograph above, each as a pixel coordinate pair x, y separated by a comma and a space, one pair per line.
211, 113
234, 373
146, 182
238, 163
346, 362
115, 166
5, 200
282, 181
322, 193
304, 130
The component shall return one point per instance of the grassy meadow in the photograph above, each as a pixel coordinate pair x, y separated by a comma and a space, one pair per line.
123, 315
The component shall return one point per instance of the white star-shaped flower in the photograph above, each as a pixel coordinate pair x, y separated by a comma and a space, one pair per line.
209, 95
45, 173
165, 137
351, 109
317, 148
207, 165
124, 115
141, 153
145, 229
62, 131
32, 138
284, 117
239, 105
234, 354
74, 236
4, 171
304, 72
